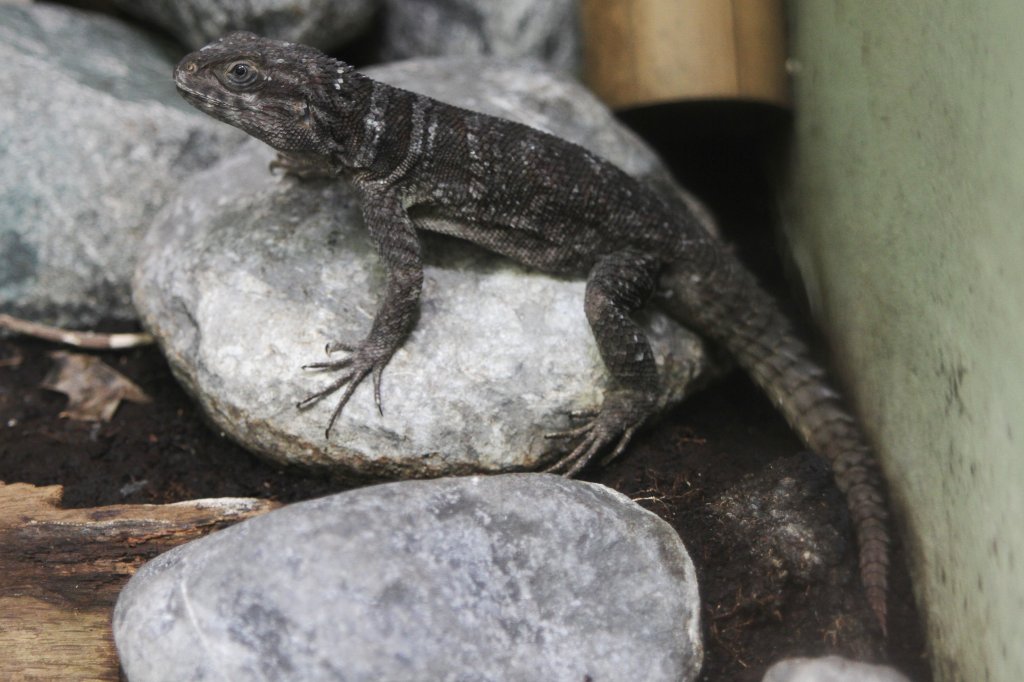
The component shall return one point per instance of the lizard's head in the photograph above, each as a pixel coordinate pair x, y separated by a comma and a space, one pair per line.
271, 89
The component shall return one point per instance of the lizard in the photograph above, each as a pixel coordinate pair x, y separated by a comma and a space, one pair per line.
420, 164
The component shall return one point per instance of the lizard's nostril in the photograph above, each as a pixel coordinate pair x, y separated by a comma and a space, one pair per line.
190, 67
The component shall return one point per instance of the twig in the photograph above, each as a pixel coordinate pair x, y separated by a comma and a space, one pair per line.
91, 340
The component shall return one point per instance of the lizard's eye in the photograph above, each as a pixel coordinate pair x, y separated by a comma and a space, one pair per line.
241, 74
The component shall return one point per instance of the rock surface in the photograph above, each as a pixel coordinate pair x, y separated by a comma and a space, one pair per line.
771, 512
830, 669
542, 30
788, 523
322, 23
246, 277
94, 140
519, 577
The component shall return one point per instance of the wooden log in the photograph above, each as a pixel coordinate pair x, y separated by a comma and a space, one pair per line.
61, 571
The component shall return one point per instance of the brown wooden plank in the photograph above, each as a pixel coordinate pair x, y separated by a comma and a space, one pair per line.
61, 571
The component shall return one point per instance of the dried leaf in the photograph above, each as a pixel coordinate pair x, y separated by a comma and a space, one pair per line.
94, 389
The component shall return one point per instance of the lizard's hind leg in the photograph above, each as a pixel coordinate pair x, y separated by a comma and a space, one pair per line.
619, 284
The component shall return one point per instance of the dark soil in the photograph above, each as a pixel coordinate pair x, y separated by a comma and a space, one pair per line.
164, 452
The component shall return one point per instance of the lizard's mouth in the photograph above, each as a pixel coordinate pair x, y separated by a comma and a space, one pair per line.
202, 99
206, 99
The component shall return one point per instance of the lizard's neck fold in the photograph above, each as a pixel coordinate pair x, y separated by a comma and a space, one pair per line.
378, 130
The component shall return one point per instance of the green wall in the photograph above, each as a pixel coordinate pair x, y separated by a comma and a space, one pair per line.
903, 201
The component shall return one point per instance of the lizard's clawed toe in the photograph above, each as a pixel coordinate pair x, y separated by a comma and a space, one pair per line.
329, 364
596, 436
361, 362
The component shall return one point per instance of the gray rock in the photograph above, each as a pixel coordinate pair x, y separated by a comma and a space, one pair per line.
830, 669
774, 513
94, 140
320, 23
787, 525
246, 276
542, 30
513, 578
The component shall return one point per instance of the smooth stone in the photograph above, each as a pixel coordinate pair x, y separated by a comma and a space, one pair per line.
830, 669
520, 577
326, 24
247, 276
546, 31
94, 140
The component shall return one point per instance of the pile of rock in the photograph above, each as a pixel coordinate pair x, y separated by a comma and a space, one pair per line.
121, 202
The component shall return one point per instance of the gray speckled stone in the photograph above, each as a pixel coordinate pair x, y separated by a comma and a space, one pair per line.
543, 30
779, 514
830, 669
508, 578
93, 141
321, 23
246, 277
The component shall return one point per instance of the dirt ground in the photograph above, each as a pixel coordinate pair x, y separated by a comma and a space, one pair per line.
164, 452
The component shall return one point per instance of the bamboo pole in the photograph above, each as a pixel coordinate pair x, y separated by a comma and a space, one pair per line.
640, 52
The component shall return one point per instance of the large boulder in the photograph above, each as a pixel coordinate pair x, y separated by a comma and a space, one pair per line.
546, 31
94, 141
325, 24
247, 276
507, 578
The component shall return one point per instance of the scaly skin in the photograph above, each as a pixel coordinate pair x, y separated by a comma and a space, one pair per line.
419, 164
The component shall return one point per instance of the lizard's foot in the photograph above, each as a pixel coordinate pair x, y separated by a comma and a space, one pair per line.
361, 361
304, 167
610, 431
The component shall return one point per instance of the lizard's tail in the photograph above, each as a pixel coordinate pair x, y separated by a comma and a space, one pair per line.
714, 293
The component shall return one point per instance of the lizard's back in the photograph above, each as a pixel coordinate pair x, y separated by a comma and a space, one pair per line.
542, 200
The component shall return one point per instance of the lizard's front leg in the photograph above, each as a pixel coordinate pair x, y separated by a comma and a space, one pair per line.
398, 244
619, 284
